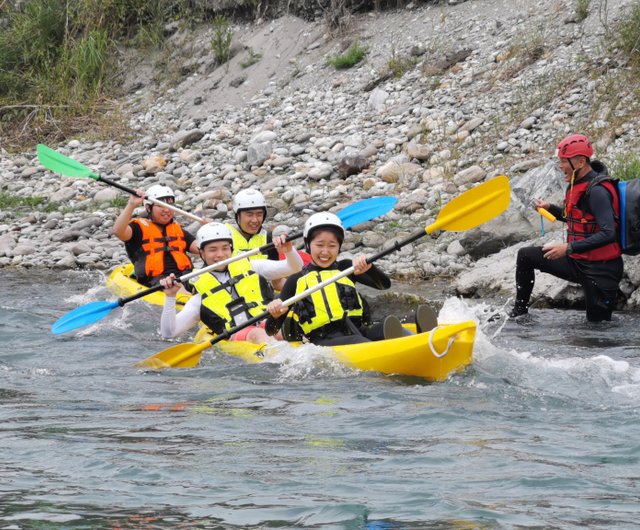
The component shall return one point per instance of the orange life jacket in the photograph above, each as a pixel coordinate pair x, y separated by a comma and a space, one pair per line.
156, 240
581, 224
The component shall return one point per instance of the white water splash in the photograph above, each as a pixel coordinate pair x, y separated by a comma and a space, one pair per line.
92, 294
308, 362
589, 378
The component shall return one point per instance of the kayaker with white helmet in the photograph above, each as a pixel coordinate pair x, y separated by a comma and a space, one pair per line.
156, 245
231, 295
337, 313
250, 211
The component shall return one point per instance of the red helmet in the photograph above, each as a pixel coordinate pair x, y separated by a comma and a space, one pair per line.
574, 145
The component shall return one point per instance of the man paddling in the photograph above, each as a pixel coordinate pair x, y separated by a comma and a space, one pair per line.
591, 255
229, 295
156, 245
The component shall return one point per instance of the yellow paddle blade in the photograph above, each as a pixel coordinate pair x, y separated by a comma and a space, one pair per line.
474, 207
179, 356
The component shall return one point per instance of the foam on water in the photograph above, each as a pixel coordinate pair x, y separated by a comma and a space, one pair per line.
308, 362
593, 378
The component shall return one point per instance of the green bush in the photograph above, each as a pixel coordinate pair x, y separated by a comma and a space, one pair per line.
625, 167
57, 59
9, 202
629, 33
398, 65
351, 57
251, 59
582, 9
221, 40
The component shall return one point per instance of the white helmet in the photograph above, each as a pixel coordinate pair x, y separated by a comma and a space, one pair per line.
248, 200
322, 219
213, 232
158, 192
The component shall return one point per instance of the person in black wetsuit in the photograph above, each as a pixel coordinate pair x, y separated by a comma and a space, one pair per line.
591, 255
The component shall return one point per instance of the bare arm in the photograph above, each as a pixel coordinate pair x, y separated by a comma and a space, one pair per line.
121, 228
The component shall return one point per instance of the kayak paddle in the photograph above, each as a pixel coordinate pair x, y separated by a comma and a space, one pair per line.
352, 215
471, 209
58, 163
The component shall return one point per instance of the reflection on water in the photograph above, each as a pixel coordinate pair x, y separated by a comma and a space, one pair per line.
540, 432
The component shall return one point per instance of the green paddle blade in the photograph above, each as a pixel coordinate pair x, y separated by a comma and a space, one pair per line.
58, 163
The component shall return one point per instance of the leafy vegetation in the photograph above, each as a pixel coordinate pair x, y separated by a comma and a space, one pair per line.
251, 59
221, 40
625, 167
582, 9
354, 54
628, 33
12, 202
57, 59
9, 202
118, 202
399, 65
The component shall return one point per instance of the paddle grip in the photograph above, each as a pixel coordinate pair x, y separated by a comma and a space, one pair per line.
546, 214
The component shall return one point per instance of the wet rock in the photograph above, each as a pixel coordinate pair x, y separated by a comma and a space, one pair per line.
352, 165
186, 138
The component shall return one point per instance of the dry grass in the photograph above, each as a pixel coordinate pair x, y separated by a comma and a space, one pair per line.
48, 125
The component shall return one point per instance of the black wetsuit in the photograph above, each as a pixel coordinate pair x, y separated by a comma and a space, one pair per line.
599, 279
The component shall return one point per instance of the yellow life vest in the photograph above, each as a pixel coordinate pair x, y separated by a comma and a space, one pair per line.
326, 305
218, 304
241, 244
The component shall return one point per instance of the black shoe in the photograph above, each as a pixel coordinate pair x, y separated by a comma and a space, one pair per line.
426, 318
518, 311
392, 328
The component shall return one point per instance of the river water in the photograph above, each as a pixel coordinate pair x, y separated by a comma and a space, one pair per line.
542, 431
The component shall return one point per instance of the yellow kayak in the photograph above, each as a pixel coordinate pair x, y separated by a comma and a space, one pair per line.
122, 284
432, 355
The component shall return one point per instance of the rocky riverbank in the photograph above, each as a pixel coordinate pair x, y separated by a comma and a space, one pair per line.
448, 96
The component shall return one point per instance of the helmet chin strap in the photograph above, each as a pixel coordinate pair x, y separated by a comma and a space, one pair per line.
571, 181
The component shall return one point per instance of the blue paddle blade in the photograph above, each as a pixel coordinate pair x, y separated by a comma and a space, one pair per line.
366, 210
83, 316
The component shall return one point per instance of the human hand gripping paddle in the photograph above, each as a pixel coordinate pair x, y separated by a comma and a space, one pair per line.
471, 209
352, 215
58, 163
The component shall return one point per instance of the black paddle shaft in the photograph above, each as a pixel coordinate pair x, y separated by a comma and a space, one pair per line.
226, 334
117, 185
397, 245
185, 277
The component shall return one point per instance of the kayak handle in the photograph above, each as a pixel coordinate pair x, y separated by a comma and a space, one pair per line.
447, 348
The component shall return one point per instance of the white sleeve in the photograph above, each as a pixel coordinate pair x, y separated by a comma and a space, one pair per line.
172, 325
273, 270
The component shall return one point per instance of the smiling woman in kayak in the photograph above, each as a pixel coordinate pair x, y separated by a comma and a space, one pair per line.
157, 245
229, 295
335, 314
